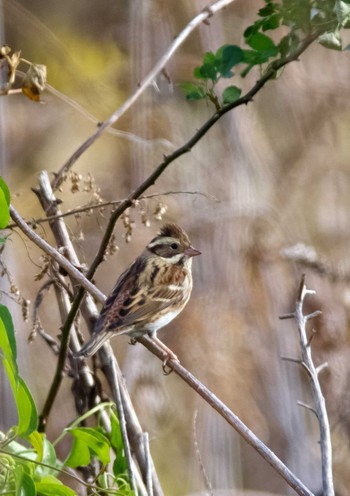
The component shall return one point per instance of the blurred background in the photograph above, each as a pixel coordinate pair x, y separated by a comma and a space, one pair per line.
275, 179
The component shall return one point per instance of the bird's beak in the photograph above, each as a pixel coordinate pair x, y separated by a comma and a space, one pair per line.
192, 252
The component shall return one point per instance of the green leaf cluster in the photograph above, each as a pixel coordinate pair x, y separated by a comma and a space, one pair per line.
33, 469
304, 18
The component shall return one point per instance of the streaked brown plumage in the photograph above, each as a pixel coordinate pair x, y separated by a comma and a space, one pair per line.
150, 293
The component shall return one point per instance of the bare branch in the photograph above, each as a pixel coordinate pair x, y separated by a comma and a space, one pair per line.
199, 456
308, 407
60, 259
191, 26
94, 206
312, 371
230, 417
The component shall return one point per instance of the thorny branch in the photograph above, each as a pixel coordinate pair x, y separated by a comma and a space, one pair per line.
313, 373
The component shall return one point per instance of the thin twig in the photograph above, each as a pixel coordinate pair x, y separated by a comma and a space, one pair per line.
199, 456
149, 483
179, 39
85, 379
230, 417
320, 404
94, 206
122, 423
60, 259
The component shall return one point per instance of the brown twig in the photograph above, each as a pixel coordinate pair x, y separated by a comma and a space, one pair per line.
230, 417
111, 203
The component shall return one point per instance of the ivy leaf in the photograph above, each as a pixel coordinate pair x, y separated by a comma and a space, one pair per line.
331, 40
231, 94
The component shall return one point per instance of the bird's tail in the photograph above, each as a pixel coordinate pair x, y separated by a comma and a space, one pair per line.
94, 344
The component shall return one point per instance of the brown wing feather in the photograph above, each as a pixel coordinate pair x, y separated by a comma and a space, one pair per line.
144, 308
125, 290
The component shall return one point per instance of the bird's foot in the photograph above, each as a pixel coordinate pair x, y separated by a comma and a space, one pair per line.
133, 341
167, 369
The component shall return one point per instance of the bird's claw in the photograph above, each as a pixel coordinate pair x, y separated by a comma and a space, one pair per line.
167, 369
133, 341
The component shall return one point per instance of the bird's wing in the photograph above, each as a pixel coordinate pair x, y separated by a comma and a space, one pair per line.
129, 304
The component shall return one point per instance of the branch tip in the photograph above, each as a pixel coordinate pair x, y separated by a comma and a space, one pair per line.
308, 407
312, 315
287, 316
321, 367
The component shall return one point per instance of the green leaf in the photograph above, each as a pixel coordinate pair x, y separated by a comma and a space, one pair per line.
252, 57
4, 204
342, 11
87, 442
193, 91
50, 486
331, 40
5, 190
45, 453
268, 10
206, 71
254, 28
7, 335
227, 57
271, 22
263, 44
24, 483
209, 68
27, 414
231, 94
119, 464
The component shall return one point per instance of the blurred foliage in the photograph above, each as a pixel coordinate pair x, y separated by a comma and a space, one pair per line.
280, 170
303, 19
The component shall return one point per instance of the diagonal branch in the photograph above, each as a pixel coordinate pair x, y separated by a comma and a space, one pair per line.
231, 418
196, 21
191, 380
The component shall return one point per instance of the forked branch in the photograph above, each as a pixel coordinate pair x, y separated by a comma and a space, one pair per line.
313, 373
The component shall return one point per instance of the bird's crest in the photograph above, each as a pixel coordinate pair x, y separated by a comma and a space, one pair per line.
174, 231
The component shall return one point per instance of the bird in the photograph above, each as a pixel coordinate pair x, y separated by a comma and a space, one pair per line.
149, 294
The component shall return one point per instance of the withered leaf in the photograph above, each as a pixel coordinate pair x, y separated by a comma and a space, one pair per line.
34, 82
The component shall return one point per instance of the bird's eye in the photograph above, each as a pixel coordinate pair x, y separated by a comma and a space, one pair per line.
174, 246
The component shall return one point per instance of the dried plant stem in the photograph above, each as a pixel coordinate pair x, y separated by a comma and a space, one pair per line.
320, 404
89, 311
55, 255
